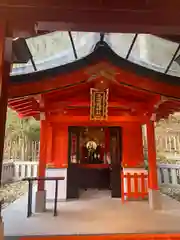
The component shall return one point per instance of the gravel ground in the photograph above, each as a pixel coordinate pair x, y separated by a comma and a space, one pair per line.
12, 191
173, 192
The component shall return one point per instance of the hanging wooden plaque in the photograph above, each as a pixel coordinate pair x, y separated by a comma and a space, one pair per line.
99, 104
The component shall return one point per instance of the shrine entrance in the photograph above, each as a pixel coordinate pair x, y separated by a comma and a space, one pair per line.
95, 155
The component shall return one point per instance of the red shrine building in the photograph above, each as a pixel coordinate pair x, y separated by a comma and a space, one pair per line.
93, 100
91, 113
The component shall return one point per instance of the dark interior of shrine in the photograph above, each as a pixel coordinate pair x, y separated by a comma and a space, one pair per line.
94, 160
92, 145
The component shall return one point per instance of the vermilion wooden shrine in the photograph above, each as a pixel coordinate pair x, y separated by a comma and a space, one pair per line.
61, 97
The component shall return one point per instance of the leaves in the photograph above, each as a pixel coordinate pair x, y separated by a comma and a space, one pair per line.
21, 136
20, 128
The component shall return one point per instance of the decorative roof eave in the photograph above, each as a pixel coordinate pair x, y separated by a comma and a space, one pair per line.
145, 104
46, 80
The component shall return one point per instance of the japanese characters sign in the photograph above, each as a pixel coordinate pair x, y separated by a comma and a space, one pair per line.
99, 104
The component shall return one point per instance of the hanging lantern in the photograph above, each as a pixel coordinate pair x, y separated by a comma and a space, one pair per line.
99, 104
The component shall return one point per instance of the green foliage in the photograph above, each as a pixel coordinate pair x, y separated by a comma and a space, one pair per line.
22, 137
20, 128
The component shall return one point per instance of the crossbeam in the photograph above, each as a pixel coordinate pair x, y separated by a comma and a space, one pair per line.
106, 16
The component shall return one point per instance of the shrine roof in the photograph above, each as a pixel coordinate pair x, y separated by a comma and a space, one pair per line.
158, 53
145, 65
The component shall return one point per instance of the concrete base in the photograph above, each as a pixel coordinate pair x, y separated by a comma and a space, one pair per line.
155, 201
1, 229
40, 204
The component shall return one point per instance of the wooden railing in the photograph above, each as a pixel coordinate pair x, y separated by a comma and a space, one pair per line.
134, 186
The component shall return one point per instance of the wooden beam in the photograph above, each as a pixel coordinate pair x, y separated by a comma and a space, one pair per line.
85, 119
82, 102
100, 16
128, 80
18, 109
15, 100
30, 114
86, 112
23, 104
27, 111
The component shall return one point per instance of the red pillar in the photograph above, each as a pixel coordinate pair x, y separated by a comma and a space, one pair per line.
61, 147
5, 65
42, 154
153, 181
49, 142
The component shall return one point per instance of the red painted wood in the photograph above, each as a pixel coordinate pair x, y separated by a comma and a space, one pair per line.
107, 16
135, 186
77, 103
5, 59
143, 189
42, 155
138, 84
136, 192
49, 152
78, 120
98, 5
153, 181
128, 179
121, 236
75, 100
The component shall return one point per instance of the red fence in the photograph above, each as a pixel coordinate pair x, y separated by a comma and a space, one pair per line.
134, 186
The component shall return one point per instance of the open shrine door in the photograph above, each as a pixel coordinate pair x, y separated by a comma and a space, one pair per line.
73, 160
116, 160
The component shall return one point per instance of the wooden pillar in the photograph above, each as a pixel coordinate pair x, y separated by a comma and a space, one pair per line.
5, 66
153, 183
49, 136
40, 204
61, 147
154, 194
42, 154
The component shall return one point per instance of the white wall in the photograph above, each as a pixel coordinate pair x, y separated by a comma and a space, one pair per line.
62, 185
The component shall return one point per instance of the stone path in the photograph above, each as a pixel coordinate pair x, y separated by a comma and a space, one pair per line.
12, 191
91, 215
